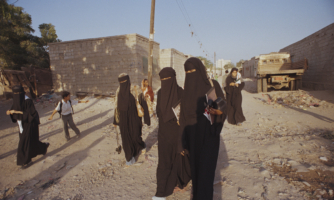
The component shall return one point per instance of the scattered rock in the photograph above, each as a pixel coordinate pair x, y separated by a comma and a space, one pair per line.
306, 183
324, 159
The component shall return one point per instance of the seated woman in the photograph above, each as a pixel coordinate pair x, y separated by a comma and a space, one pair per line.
147, 95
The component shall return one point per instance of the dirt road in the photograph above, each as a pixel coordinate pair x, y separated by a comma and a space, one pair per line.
274, 155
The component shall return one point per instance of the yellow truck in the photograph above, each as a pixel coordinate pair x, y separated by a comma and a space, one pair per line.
276, 70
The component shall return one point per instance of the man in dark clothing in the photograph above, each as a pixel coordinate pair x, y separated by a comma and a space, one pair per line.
173, 168
200, 138
126, 117
24, 113
234, 85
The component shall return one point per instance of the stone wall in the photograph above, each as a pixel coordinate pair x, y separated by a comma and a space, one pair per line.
93, 65
318, 48
175, 59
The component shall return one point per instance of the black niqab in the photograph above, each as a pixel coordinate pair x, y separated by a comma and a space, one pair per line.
169, 93
196, 85
229, 80
18, 100
124, 93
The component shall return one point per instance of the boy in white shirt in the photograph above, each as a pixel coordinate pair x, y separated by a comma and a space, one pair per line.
64, 108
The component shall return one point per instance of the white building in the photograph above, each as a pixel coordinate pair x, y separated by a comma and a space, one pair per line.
220, 65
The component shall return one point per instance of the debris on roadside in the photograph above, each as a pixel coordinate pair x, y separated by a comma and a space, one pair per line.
298, 99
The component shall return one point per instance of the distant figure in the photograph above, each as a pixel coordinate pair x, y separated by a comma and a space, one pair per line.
148, 95
216, 77
65, 110
173, 166
234, 85
224, 78
23, 113
127, 118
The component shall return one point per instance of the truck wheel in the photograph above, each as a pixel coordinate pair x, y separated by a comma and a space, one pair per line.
293, 85
298, 84
264, 85
259, 85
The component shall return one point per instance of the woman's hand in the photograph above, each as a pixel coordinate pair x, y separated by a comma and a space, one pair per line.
232, 84
236, 85
10, 112
215, 112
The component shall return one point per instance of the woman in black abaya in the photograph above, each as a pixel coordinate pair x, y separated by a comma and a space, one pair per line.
173, 168
234, 98
24, 113
200, 137
126, 116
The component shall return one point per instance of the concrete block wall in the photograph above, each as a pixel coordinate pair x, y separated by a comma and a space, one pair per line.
318, 48
175, 59
93, 65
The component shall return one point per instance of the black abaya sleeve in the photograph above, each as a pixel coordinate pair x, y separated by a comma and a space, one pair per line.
13, 120
142, 102
241, 86
115, 123
29, 112
158, 104
220, 93
219, 119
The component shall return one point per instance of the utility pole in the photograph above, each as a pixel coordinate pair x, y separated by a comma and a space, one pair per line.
151, 39
215, 65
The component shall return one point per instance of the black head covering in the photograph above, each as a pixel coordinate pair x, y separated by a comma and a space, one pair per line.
124, 93
18, 100
233, 69
196, 85
169, 94
230, 78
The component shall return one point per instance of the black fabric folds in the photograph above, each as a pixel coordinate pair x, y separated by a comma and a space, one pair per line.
173, 168
124, 93
196, 85
29, 145
169, 93
234, 100
18, 101
199, 137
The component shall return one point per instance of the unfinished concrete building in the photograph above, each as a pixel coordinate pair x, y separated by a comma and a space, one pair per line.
249, 67
93, 65
175, 59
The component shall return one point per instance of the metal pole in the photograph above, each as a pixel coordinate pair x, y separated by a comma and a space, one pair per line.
151, 39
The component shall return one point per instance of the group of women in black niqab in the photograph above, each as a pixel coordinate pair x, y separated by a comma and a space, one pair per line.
23, 113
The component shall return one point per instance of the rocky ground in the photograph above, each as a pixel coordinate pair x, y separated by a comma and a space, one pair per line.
282, 151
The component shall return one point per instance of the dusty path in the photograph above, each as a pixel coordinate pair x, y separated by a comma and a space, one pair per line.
89, 167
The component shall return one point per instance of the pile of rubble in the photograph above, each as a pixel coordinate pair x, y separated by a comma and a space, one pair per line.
298, 99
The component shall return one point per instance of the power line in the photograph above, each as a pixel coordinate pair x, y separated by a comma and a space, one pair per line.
192, 27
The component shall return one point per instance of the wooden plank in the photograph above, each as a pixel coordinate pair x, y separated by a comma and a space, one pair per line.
291, 71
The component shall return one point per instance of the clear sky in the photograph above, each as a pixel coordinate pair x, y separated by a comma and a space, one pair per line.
234, 29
